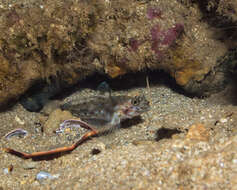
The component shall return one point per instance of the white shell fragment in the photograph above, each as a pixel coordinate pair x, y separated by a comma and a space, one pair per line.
42, 175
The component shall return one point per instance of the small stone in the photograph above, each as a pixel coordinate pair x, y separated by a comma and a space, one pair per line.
5, 171
42, 175
55, 118
50, 107
223, 120
198, 132
19, 121
234, 161
99, 146
142, 142
29, 165
8, 169
202, 118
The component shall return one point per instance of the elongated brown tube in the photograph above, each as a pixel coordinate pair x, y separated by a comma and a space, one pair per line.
51, 152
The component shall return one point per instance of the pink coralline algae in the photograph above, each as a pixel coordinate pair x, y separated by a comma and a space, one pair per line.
134, 44
153, 12
172, 34
156, 38
161, 40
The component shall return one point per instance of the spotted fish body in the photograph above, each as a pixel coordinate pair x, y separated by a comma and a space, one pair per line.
103, 111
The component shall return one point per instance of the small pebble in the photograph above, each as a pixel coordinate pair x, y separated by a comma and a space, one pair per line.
223, 120
29, 165
5, 171
8, 170
18, 120
198, 132
45, 175
234, 161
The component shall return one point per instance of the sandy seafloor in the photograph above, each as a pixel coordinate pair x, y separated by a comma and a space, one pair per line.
151, 153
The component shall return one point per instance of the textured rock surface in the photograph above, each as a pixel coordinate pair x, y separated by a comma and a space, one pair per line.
69, 40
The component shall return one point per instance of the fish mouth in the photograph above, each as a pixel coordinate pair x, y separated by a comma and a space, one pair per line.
135, 111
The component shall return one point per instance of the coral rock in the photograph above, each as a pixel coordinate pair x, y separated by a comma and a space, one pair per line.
198, 132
